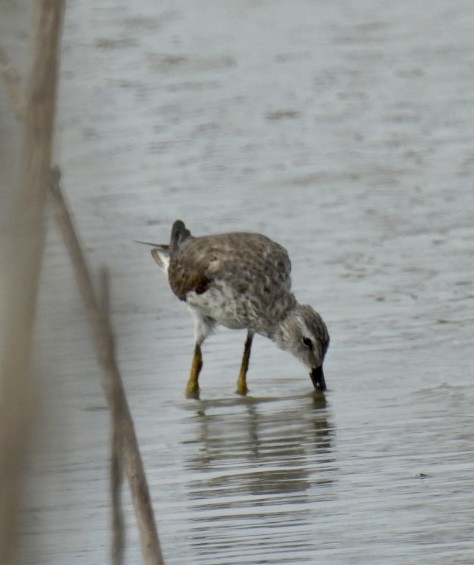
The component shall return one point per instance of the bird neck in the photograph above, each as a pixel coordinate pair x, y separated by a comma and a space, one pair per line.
282, 320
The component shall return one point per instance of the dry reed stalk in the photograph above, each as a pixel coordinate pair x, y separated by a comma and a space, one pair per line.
117, 546
11, 79
26, 246
116, 479
111, 382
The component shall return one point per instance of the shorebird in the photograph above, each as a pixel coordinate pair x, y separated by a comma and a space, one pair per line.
241, 281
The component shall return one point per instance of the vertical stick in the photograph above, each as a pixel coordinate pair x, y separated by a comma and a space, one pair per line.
116, 480
24, 268
12, 84
117, 547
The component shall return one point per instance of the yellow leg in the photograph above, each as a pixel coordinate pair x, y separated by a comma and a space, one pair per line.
242, 379
192, 387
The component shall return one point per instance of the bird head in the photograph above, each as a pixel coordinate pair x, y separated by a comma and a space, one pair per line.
304, 334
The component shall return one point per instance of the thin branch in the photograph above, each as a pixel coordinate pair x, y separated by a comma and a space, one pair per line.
11, 79
111, 382
116, 472
116, 480
26, 246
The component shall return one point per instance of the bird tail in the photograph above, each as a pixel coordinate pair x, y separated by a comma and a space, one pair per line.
160, 253
179, 234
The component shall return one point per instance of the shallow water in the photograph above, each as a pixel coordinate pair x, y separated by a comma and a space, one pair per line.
344, 132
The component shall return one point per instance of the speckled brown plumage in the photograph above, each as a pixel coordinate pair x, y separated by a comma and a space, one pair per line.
254, 269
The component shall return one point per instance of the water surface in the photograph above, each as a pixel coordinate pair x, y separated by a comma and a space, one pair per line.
344, 132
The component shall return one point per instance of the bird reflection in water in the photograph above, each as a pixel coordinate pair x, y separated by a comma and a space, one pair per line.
260, 467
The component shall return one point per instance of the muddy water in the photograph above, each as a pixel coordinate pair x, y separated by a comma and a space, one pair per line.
344, 131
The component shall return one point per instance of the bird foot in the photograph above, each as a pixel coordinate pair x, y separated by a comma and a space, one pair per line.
242, 388
192, 390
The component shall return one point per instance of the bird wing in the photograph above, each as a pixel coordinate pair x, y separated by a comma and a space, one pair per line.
238, 259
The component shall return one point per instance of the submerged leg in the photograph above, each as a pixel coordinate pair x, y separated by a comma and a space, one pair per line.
203, 327
242, 379
192, 386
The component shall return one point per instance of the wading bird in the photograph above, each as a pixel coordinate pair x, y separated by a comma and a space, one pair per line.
241, 281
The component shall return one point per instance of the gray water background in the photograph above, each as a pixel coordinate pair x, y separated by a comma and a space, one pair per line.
344, 131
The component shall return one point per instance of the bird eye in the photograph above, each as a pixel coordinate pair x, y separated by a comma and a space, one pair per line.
307, 343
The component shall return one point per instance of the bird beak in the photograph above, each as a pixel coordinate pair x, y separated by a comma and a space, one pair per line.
317, 376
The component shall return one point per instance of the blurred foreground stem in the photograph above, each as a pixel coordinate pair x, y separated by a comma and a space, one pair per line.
24, 264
